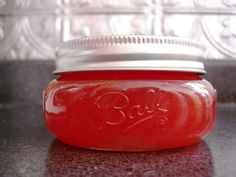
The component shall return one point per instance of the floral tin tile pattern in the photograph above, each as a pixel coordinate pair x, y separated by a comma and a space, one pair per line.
30, 29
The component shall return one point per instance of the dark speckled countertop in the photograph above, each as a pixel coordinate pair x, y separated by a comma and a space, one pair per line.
28, 149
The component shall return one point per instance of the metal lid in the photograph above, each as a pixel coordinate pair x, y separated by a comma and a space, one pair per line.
133, 52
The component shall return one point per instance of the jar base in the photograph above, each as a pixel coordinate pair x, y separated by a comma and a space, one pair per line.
122, 149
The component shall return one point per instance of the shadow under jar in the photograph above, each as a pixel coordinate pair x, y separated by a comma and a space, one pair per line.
129, 93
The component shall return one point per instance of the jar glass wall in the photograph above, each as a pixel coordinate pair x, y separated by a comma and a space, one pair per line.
129, 110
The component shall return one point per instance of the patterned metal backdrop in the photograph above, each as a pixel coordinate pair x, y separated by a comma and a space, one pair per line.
30, 29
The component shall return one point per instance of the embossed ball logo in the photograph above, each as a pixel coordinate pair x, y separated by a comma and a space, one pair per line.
118, 108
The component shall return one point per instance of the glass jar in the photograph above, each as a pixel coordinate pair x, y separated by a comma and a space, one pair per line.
129, 93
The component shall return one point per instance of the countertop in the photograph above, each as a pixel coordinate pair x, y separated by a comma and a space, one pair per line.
28, 149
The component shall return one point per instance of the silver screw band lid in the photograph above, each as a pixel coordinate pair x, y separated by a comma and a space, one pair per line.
131, 52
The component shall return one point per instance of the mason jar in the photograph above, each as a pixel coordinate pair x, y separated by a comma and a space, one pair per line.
129, 93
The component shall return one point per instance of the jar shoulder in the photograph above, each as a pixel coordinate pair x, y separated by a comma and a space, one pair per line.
200, 86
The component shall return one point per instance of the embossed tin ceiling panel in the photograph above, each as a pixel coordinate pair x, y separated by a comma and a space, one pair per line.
30, 29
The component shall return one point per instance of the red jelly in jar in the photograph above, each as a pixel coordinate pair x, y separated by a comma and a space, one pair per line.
129, 93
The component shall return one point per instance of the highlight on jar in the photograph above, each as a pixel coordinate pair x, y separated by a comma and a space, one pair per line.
129, 93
